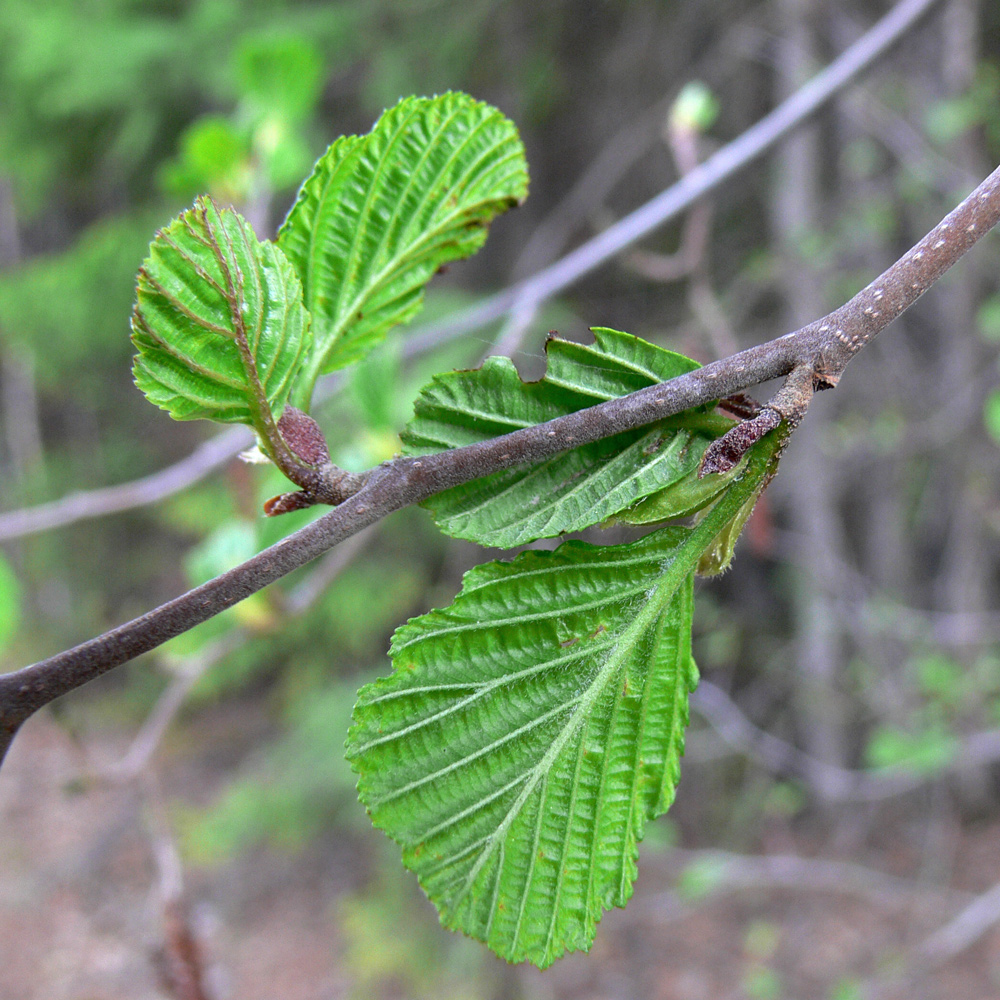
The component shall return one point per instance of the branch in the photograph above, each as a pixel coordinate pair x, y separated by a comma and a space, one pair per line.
837, 784
717, 169
526, 295
206, 458
820, 351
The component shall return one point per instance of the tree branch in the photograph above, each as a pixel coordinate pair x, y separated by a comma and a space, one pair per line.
822, 349
742, 151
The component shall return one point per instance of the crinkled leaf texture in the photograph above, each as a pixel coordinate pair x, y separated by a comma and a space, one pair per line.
527, 734
529, 731
381, 213
219, 323
575, 489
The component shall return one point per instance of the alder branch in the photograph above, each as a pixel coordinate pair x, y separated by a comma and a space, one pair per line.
817, 354
719, 167
525, 296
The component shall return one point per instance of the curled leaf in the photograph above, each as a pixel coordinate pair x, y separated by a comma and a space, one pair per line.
219, 325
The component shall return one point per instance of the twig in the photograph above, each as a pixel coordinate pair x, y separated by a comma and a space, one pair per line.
839, 784
143, 746
964, 929
727, 871
206, 458
818, 353
717, 169
182, 959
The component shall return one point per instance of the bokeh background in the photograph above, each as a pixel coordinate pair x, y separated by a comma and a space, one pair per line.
837, 829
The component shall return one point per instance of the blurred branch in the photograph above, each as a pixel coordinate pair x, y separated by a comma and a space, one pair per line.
182, 962
727, 871
964, 929
868, 610
716, 170
690, 260
839, 784
205, 459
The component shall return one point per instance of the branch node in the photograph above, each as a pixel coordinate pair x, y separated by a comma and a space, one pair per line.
788, 405
725, 452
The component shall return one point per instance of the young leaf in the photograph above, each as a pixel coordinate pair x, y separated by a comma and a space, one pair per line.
574, 489
529, 730
219, 323
381, 213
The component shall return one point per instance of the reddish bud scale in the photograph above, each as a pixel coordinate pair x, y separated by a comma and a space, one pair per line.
303, 436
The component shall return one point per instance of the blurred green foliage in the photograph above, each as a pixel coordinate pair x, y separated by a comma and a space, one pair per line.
10, 602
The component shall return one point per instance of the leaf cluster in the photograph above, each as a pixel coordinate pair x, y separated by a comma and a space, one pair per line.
533, 727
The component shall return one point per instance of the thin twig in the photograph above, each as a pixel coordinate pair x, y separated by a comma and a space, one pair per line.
821, 350
205, 459
718, 168
964, 929
725, 871
839, 784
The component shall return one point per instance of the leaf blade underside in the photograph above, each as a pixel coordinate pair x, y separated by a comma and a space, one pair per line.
506, 788
529, 730
574, 489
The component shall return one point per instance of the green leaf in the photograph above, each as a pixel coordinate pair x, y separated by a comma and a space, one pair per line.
219, 322
519, 768
529, 731
278, 74
381, 213
682, 498
928, 751
575, 489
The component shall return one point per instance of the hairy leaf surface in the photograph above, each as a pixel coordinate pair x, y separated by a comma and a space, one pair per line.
219, 324
382, 212
575, 489
529, 730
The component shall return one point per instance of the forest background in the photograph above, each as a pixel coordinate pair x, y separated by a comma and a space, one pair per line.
837, 828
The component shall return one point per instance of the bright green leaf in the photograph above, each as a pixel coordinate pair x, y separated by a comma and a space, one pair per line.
988, 319
279, 74
213, 155
575, 489
527, 734
529, 731
695, 108
928, 751
381, 213
219, 323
